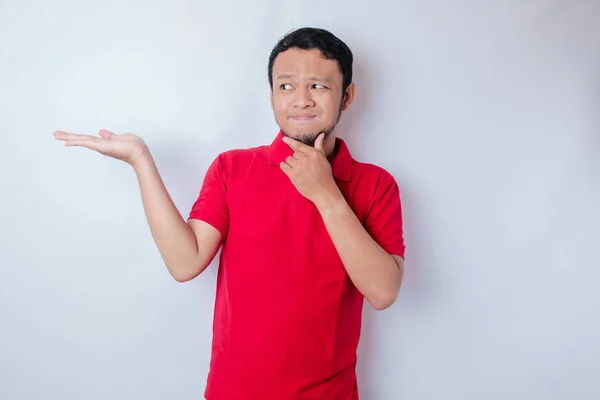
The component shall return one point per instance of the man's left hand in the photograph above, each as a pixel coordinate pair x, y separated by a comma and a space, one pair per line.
310, 172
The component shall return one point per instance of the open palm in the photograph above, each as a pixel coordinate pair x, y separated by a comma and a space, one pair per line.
125, 147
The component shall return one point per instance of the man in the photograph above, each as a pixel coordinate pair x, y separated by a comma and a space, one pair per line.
307, 233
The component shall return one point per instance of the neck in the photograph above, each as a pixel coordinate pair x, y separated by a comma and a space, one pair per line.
330, 148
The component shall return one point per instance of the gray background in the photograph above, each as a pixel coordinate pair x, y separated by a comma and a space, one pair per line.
487, 113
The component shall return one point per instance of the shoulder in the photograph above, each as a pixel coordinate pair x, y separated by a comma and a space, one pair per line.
229, 161
371, 175
237, 154
374, 187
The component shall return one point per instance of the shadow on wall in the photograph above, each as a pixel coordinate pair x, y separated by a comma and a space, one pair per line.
355, 129
352, 119
595, 133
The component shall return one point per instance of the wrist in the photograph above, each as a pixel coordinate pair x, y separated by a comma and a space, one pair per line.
330, 202
142, 162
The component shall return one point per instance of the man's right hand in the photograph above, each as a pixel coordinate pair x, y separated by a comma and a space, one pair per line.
126, 147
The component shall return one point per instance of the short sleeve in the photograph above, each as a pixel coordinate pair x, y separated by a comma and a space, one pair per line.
211, 205
383, 219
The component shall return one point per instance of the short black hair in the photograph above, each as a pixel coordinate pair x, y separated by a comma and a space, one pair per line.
331, 47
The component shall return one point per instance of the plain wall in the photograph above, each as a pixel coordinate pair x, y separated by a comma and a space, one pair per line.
487, 114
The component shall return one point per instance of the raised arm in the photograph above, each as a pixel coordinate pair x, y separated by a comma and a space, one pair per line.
187, 248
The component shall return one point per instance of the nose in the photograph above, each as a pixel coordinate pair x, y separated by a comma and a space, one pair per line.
303, 98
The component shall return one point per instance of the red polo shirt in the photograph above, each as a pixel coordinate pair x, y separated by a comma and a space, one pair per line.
287, 317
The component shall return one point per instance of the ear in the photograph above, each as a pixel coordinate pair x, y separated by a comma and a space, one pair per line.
271, 98
349, 96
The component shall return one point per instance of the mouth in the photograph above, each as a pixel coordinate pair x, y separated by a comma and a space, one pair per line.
303, 117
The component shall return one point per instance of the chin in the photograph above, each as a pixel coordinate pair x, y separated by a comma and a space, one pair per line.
305, 136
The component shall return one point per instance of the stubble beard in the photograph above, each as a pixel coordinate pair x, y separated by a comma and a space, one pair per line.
309, 138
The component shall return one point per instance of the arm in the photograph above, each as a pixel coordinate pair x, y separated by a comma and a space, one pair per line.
373, 254
375, 273
186, 248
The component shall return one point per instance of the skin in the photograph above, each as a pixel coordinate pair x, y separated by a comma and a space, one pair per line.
307, 101
307, 97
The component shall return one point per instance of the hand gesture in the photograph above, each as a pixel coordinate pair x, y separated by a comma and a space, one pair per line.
126, 147
310, 172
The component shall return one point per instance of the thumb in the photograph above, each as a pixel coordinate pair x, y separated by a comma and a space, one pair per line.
104, 134
319, 142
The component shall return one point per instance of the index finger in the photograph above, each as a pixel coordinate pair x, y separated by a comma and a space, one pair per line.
62, 135
296, 145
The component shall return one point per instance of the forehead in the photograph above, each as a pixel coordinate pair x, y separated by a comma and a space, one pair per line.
298, 62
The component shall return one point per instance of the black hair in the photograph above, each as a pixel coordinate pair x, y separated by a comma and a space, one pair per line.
308, 38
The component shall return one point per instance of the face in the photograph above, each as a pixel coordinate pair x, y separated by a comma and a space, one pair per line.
307, 96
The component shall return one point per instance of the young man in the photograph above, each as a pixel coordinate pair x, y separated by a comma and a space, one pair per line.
307, 233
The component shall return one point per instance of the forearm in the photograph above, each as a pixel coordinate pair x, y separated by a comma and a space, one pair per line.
373, 271
174, 238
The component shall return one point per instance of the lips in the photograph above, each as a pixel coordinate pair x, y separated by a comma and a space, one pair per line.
303, 117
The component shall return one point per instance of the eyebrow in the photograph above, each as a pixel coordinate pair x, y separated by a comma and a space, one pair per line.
312, 78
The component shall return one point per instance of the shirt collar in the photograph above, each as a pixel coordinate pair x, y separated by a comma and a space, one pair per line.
341, 165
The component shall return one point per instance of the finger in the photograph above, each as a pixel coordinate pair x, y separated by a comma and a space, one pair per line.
96, 145
105, 134
296, 145
319, 142
285, 168
291, 161
62, 135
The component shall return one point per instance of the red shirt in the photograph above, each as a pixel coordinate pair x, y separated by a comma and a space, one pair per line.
287, 317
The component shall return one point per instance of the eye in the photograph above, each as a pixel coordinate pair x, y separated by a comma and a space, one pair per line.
285, 86
318, 86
